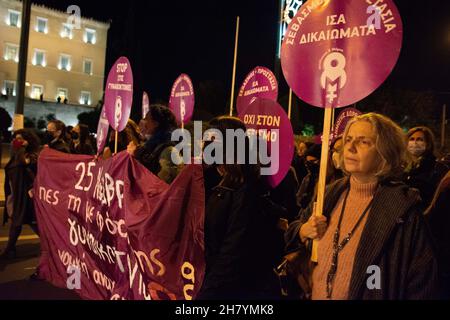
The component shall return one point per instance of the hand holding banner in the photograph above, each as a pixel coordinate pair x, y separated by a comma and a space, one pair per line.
336, 53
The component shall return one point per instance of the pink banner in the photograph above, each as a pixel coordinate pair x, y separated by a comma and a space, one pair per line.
112, 230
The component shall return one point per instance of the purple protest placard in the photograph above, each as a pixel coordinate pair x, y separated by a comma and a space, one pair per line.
102, 130
343, 119
182, 99
145, 104
336, 53
259, 83
119, 94
267, 119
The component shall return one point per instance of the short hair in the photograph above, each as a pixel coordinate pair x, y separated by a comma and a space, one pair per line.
389, 143
429, 138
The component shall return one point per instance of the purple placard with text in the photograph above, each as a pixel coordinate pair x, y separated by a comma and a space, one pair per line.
119, 94
267, 119
102, 131
259, 83
182, 99
145, 104
336, 53
343, 119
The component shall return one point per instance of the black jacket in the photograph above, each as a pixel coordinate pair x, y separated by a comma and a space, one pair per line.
19, 179
426, 177
240, 246
59, 145
439, 221
395, 239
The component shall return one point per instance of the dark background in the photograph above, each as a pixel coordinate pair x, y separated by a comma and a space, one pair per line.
165, 38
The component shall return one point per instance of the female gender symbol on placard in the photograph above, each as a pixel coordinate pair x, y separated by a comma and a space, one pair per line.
119, 94
182, 99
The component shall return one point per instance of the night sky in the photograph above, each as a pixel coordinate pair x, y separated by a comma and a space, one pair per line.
165, 38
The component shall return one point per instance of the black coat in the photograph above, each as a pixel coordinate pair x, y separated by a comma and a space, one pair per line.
240, 247
395, 239
59, 145
426, 177
19, 179
439, 221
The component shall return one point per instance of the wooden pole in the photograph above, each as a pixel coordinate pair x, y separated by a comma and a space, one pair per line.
444, 123
233, 81
290, 104
115, 144
318, 211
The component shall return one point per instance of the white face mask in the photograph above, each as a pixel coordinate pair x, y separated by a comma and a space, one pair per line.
417, 148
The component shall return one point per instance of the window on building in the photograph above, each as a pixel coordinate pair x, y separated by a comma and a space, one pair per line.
87, 66
90, 36
13, 18
39, 58
42, 25
85, 98
62, 94
11, 52
67, 31
9, 88
65, 62
36, 91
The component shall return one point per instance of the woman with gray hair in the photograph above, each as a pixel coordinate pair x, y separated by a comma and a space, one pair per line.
372, 241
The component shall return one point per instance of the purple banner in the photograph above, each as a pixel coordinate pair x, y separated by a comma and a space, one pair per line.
259, 83
119, 94
182, 99
145, 104
336, 53
342, 120
267, 119
112, 230
102, 131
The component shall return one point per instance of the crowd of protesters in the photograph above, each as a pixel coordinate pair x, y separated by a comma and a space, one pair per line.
386, 205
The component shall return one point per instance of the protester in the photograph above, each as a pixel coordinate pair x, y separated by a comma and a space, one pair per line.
68, 135
298, 163
240, 225
425, 172
369, 220
285, 195
438, 217
307, 190
81, 141
19, 177
56, 131
156, 153
131, 134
